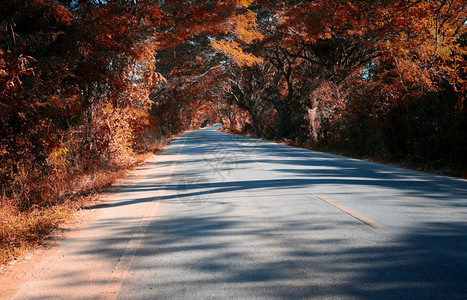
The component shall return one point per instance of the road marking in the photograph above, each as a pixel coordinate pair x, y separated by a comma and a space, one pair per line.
125, 261
352, 213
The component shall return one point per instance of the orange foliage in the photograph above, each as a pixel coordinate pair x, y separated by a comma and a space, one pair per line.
82, 81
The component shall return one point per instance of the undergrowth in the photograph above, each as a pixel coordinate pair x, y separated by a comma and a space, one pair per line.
23, 230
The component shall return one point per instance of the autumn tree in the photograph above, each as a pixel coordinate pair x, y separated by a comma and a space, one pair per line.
81, 81
379, 77
76, 83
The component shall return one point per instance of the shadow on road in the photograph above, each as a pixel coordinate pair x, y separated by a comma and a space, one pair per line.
224, 253
300, 257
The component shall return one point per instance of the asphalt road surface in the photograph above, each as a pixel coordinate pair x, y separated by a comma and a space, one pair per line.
222, 216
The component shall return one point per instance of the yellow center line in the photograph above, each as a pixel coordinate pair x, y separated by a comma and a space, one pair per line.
352, 213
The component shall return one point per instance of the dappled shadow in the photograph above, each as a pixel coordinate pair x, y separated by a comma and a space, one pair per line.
332, 169
240, 219
211, 255
429, 261
300, 167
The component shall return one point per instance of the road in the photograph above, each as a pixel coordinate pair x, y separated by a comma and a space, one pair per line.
222, 216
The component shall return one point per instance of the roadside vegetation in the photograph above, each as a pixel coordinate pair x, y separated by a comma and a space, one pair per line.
383, 80
87, 86
22, 230
78, 81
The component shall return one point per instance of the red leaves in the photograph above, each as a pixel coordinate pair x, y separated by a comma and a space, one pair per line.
13, 68
87, 72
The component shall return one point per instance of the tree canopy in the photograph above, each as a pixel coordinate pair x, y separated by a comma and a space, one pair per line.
85, 83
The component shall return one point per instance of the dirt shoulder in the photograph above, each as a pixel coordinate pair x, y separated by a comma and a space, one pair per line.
18, 272
21, 270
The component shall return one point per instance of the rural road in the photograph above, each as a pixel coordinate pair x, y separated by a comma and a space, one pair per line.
221, 216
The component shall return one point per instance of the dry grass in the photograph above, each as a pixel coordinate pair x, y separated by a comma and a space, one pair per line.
21, 231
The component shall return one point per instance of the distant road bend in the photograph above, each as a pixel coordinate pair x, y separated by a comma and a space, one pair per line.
223, 216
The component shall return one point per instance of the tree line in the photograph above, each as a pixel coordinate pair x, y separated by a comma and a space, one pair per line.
85, 84
381, 79
76, 84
